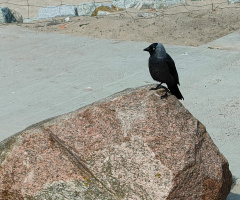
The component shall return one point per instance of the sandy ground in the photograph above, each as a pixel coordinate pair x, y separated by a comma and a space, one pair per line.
193, 24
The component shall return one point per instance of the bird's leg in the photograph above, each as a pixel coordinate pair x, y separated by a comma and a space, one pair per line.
158, 87
166, 90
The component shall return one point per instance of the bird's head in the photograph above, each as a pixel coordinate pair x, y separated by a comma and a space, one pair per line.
156, 49
151, 48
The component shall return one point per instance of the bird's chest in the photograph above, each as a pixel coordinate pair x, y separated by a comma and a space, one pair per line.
159, 70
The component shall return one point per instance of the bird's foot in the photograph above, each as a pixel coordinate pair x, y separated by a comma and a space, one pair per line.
165, 96
158, 87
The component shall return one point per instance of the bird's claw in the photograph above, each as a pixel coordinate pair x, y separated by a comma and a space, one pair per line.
166, 91
165, 96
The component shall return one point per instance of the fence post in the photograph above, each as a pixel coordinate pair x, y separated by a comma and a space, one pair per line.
28, 8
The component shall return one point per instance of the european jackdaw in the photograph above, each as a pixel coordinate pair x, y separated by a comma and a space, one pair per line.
162, 69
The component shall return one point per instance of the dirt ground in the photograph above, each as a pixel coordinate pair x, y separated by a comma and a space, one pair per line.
193, 24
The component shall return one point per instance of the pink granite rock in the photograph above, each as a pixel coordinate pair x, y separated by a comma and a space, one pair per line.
132, 145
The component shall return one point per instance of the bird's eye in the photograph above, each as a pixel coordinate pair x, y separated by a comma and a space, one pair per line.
153, 49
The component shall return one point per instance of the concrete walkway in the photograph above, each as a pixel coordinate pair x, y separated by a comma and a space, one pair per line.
45, 74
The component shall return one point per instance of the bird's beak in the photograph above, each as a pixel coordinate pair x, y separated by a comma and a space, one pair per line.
146, 49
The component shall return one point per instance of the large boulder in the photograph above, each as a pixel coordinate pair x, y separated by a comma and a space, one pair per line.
140, 4
56, 11
125, 3
132, 145
233, 1
92, 8
87, 9
6, 16
17, 16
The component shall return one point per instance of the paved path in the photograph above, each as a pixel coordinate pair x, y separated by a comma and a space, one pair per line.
45, 74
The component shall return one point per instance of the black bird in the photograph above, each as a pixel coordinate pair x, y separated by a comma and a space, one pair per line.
162, 69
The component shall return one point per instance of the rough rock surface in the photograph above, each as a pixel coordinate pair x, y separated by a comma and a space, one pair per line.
125, 3
17, 16
56, 11
139, 4
86, 9
132, 145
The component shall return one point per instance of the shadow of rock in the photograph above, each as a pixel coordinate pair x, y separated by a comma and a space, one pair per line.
233, 196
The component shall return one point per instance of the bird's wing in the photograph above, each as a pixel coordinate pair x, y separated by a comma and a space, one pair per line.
172, 68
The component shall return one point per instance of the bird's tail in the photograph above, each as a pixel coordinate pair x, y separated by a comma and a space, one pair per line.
175, 91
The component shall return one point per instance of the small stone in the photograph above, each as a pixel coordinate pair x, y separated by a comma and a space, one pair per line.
142, 14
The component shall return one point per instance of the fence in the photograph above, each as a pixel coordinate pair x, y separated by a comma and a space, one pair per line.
29, 8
